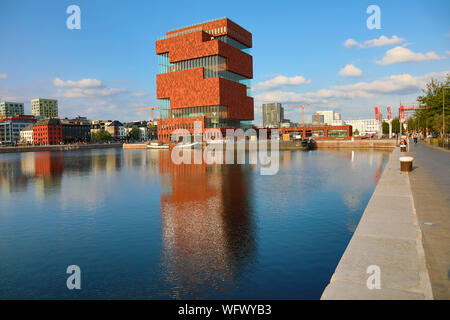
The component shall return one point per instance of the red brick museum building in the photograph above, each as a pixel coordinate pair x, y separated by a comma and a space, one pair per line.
204, 75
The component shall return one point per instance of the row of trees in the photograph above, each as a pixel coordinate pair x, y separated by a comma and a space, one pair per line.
103, 135
435, 96
431, 117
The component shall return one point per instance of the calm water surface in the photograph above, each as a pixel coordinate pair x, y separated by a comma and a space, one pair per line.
141, 227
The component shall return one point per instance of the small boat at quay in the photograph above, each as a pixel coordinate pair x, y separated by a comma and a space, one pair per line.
156, 145
187, 145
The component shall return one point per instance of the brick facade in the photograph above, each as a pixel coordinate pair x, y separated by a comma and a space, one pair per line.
47, 132
190, 88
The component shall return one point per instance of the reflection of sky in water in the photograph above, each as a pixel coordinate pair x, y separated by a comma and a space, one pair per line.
142, 227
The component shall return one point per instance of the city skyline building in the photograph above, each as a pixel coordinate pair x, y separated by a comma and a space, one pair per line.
204, 75
44, 108
317, 118
273, 115
8, 108
328, 116
10, 127
364, 126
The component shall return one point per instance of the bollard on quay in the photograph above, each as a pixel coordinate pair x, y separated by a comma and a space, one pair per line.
406, 164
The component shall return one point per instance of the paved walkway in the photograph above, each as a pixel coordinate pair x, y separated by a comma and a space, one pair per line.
388, 236
430, 184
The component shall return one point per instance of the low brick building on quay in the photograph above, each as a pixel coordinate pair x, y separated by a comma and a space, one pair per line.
47, 132
317, 132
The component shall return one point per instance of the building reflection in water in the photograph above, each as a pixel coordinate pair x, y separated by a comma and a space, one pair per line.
208, 229
49, 167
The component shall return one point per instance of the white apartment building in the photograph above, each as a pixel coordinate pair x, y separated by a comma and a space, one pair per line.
26, 134
122, 132
338, 123
364, 126
11, 108
45, 108
143, 133
328, 116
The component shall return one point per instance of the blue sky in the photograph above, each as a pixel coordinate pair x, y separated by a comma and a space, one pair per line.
107, 69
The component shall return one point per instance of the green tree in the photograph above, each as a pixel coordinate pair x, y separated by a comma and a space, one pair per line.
432, 100
101, 135
356, 132
385, 127
134, 133
152, 131
395, 125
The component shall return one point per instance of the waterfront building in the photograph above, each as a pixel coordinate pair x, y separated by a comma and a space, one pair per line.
47, 131
78, 120
337, 116
273, 115
11, 108
320, 132
113, 128
317, 118
26, 134
364, 126
99, 125
204, 75
11, 125
338, 123
143, 133
122, 132
75, 130
44, 108
328, 116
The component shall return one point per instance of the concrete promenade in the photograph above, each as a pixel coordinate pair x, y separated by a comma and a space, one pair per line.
430, 184
388, 236
366, 143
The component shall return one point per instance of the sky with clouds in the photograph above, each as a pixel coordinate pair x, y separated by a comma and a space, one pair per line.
320, 52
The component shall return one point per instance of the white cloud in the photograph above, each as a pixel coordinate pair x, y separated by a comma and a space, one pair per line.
279, 81
377, 42
350, 71
84, 88
447, 35
3, 76
83, 83
392, 85
78, 93
351, 43
447, 52
401, 54
383, 41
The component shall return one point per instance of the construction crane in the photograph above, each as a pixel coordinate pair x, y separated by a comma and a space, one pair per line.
303, 111
151, 111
